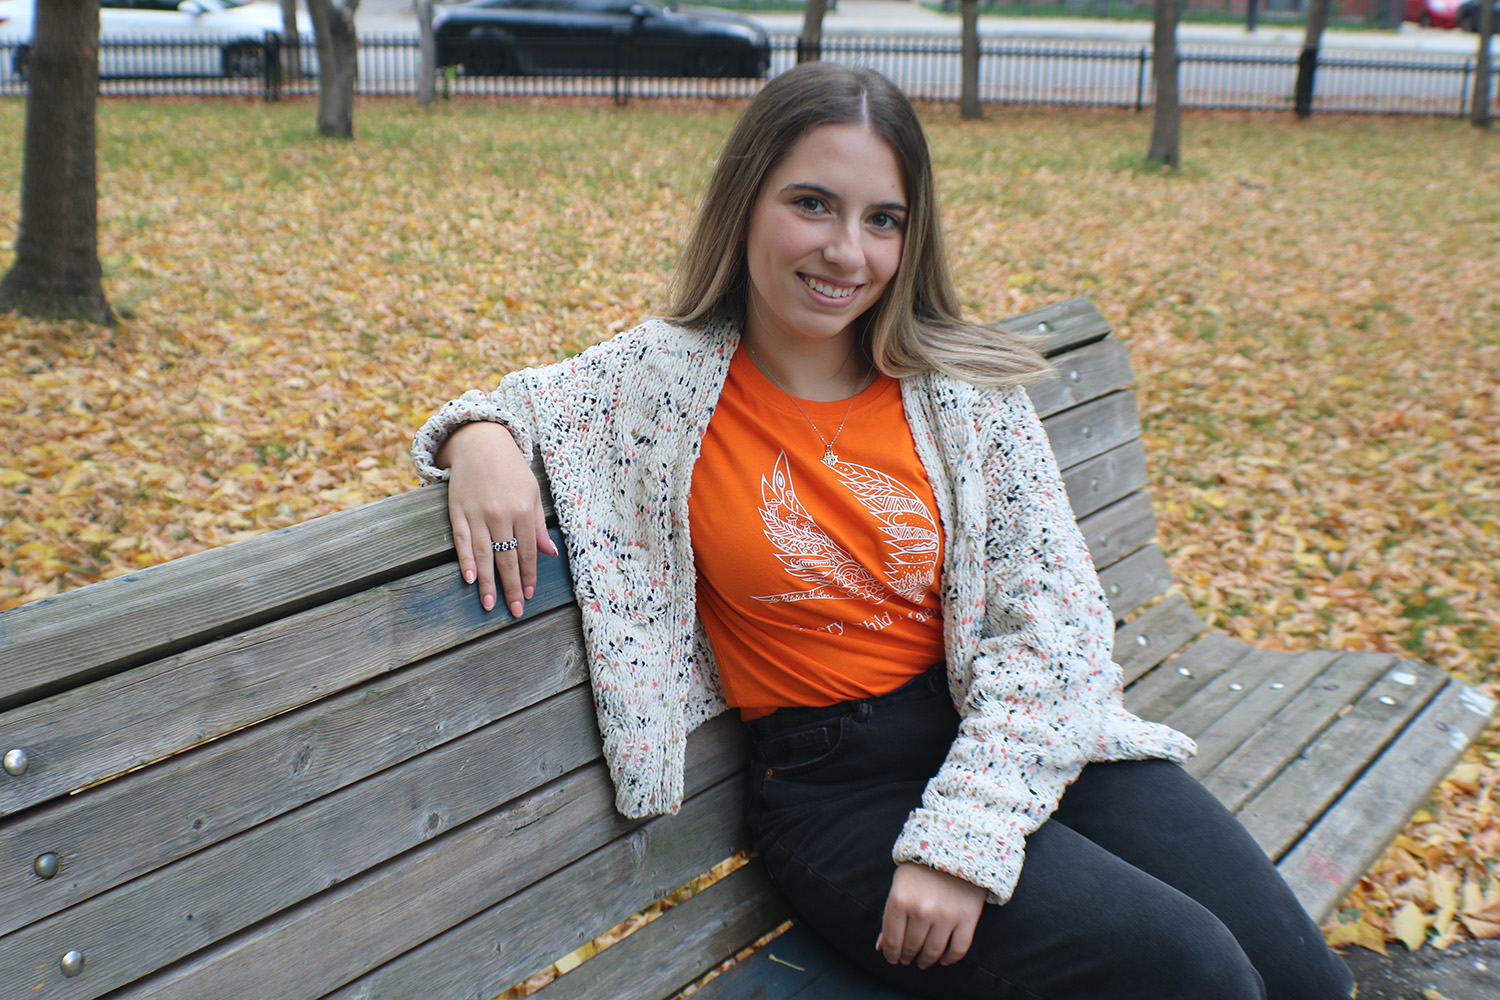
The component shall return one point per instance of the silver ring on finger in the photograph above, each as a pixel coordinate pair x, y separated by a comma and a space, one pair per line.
504, 546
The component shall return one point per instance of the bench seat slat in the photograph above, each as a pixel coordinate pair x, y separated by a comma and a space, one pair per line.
1281, 740
129, 826
1280, 813
679, 946
801, 967
1348, 838
150, 712
1155, 695
1220, 718
492, 951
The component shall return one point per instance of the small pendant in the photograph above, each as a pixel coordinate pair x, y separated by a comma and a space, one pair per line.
829, 458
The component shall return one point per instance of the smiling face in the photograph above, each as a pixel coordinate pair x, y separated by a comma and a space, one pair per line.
824, 238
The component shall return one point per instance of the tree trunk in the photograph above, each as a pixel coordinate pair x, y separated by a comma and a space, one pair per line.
338, 54
1479, 112
1307, 65
427, 44
810, 42
1166, 115
968, 103
56, 271
291, 42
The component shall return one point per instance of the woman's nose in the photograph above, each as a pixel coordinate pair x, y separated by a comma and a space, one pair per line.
844, 247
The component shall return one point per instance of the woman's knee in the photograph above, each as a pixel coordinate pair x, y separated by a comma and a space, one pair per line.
1196, 959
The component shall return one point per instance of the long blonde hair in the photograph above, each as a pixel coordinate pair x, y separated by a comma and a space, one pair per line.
916, 327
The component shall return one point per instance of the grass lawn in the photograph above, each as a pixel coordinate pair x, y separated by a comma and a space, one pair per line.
1313, 310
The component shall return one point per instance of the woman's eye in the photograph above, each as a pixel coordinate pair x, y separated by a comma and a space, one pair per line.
808, 203
884, 220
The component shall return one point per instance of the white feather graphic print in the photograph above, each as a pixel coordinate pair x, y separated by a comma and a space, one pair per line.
810, 555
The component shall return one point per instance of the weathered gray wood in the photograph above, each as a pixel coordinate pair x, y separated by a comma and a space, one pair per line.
1130, 582
330, 940
1155, 695
144, 924
1255, 669
1280, 813
505, 944
149, 712
1093, 428
680, 945
1261, 757
1348, 838
1068, 324
1102, 480
1114, 532
1082, 374
1155, 634
127, 827
82, 635
1280, 677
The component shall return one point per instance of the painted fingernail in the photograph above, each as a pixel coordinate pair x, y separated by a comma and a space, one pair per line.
528, 592
488, 601
516, 607
468, 576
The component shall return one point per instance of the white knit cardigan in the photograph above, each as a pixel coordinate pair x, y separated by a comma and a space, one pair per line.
1025, 625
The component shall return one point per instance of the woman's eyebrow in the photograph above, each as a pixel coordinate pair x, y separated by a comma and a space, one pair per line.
818, 189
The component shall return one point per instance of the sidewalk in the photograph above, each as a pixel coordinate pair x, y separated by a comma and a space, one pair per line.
908, 17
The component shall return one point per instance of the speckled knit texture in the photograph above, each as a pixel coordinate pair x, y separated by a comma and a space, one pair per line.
1026, 627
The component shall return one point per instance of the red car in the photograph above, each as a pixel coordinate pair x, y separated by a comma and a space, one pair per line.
1433, 13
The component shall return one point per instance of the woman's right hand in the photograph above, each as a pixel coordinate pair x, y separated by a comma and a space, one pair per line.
493, 496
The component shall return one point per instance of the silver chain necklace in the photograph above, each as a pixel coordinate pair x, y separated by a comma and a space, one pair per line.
830, 458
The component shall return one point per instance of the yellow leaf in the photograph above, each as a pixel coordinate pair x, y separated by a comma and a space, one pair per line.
1444, 890
1362, 933
1410, 926
1483, 929
12, 477
1466, 777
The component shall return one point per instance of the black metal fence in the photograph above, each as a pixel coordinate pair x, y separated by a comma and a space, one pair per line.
1098, 74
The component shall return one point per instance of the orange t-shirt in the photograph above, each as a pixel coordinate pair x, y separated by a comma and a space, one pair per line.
816, 583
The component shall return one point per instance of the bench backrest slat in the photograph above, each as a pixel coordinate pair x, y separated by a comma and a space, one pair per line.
126, 828
81, 635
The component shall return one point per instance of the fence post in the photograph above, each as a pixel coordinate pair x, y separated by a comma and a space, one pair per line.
1463, 91
622, 93
271, 66
1140, 80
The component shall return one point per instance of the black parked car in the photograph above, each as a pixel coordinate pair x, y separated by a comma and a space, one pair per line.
1467, 15
589, 37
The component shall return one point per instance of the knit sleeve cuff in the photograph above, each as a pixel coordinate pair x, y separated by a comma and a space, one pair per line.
471, 406
988, 858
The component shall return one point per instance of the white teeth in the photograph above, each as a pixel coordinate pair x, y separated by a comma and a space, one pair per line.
832, 291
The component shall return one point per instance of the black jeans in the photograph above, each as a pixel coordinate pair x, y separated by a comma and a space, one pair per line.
1140, 885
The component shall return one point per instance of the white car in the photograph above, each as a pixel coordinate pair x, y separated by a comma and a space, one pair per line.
186, 37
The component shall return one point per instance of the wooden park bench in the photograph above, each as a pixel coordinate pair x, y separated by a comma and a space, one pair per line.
308, 765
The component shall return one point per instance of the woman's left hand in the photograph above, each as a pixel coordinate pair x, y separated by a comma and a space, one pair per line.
929, 917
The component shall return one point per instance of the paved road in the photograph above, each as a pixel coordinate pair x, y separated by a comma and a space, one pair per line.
907, 17
1115, 71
